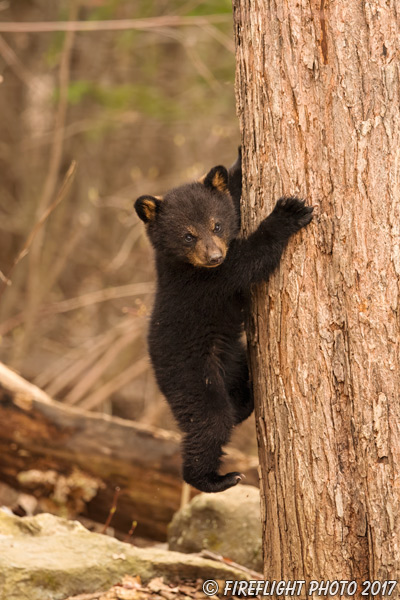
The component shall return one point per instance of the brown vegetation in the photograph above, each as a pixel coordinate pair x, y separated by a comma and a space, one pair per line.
141, 102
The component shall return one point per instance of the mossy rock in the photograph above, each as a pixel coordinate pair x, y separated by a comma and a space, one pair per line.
226, 523
49, 558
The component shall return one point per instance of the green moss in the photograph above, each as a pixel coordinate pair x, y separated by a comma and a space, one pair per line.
45, 579
53, 53
211, 8
107, 10
212, 541
149, 100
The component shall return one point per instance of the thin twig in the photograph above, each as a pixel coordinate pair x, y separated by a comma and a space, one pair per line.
13, 61
102, 394
40, 138
4, 279
185, 494
62, 259
130, 533
123, 291
60, 196
220, 37
113, 25
63, 191
231, 563
112, 509
123, 254
93, 375
202, 68
112, 293
58, 377
95, 596
34, 291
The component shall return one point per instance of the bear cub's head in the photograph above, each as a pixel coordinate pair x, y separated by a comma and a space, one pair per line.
193, 223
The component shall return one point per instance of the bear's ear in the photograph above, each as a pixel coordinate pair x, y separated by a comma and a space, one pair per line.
217, 179
147, 207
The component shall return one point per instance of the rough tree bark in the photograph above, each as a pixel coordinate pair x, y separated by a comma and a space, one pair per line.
318, 99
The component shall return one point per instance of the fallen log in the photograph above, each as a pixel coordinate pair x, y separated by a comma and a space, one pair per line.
78, 459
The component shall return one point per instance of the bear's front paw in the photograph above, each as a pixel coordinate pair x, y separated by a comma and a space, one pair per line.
294, 210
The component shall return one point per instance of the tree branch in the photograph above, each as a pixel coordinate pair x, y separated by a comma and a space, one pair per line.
113, 25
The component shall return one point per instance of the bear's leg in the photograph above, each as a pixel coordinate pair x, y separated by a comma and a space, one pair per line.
238, 384
202, 452
242, 399
208, 431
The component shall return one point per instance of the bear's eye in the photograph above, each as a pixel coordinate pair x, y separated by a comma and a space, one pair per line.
189, 238
217, 227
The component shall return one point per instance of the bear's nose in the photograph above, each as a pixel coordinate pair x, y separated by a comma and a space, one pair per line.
215, 257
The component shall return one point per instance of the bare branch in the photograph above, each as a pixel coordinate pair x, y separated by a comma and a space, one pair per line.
60, 196
67, 370
112, 509
34, 292
113, 25
222, 38
123, 291
95, 373
95, 399
13, 61
231, 563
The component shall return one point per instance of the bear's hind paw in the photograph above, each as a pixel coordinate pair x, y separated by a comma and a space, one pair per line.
215, 483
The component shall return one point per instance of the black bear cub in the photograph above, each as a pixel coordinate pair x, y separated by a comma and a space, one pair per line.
203, 272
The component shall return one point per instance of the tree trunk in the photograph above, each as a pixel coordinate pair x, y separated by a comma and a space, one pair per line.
318, 100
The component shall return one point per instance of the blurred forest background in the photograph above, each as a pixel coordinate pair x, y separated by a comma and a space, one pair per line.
139, 110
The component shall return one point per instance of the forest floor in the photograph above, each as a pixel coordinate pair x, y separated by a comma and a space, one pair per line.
131, 588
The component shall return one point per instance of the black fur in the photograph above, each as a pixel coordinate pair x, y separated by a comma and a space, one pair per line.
196, 326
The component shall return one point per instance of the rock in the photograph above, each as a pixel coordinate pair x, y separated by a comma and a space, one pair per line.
49, 558
226, 523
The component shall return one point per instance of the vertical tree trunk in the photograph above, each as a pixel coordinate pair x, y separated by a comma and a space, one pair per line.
318, 100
